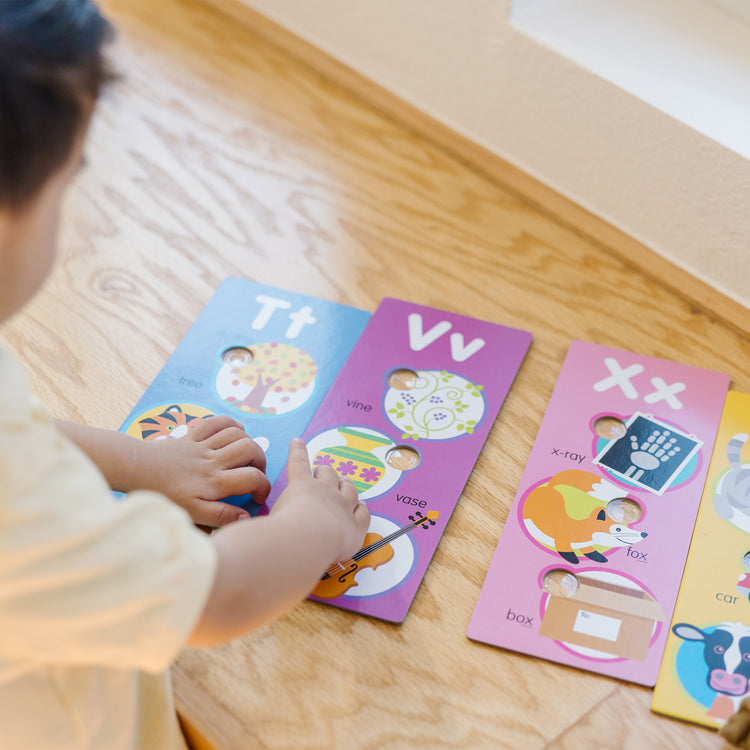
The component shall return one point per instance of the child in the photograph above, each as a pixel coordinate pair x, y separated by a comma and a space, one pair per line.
97, 597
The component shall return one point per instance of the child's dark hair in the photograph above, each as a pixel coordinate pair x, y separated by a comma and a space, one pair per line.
52, 68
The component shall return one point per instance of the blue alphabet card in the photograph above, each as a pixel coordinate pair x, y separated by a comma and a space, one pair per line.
264, 356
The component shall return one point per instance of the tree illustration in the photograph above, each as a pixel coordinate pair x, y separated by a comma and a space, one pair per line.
282, 368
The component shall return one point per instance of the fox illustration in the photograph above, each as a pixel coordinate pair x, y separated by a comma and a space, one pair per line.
569, 514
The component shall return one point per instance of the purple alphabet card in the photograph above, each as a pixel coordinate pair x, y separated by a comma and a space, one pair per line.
406, 419
590, 560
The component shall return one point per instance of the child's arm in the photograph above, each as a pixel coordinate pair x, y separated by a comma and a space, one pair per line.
269, 564
216, 459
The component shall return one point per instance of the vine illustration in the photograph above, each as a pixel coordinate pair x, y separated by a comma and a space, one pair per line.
440, 405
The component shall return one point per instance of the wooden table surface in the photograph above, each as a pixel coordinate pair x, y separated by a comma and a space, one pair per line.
218, 154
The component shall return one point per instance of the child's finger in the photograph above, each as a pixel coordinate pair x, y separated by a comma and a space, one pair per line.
209, 426
298, 465
245, 452
362, 517
215, 514
348, 490
244, 479
222, 438
327, 474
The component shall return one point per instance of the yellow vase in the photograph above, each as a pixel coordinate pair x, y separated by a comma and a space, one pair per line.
355, 459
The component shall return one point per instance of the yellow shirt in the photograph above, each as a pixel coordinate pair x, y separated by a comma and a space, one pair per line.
97, 596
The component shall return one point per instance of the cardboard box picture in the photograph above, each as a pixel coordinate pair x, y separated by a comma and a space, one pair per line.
601, 615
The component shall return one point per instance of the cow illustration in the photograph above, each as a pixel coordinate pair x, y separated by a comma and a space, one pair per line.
571, 515
726, 653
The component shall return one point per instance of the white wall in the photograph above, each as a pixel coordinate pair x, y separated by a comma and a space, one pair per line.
461, 61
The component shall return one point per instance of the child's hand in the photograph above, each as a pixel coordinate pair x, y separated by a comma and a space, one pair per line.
324, 494
216, 459
267, 565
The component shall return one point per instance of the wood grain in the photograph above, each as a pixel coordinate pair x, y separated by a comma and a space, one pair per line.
221, 154
544, 199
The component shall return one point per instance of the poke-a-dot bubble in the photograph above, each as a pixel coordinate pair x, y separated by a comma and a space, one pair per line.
560, 583
403, 379
237, 356
403, 457
624, 510
610, 428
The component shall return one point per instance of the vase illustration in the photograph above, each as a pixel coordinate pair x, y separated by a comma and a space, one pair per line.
355, 459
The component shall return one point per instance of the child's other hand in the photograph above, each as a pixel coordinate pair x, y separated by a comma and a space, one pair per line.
216, 459
323, 495
267, 565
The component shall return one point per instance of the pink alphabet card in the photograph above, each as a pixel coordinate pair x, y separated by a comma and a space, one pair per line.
589, 563
406, 419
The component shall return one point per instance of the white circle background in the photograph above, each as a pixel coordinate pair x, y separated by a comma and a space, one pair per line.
373, 582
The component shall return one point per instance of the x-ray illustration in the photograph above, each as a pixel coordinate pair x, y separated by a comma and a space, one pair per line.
651, 454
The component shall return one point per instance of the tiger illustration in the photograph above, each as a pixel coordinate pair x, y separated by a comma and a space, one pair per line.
173, 422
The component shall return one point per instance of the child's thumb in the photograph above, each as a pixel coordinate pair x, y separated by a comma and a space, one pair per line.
216, 514
362, 517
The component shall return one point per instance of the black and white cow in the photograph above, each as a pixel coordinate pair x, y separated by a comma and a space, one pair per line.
726, 652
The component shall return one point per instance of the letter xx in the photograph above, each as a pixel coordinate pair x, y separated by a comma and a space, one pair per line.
621, 377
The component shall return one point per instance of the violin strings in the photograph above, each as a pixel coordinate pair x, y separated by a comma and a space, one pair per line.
337, 566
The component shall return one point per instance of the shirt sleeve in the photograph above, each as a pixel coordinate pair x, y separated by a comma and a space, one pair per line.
85, 579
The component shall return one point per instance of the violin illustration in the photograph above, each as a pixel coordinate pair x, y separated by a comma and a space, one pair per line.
377, 550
